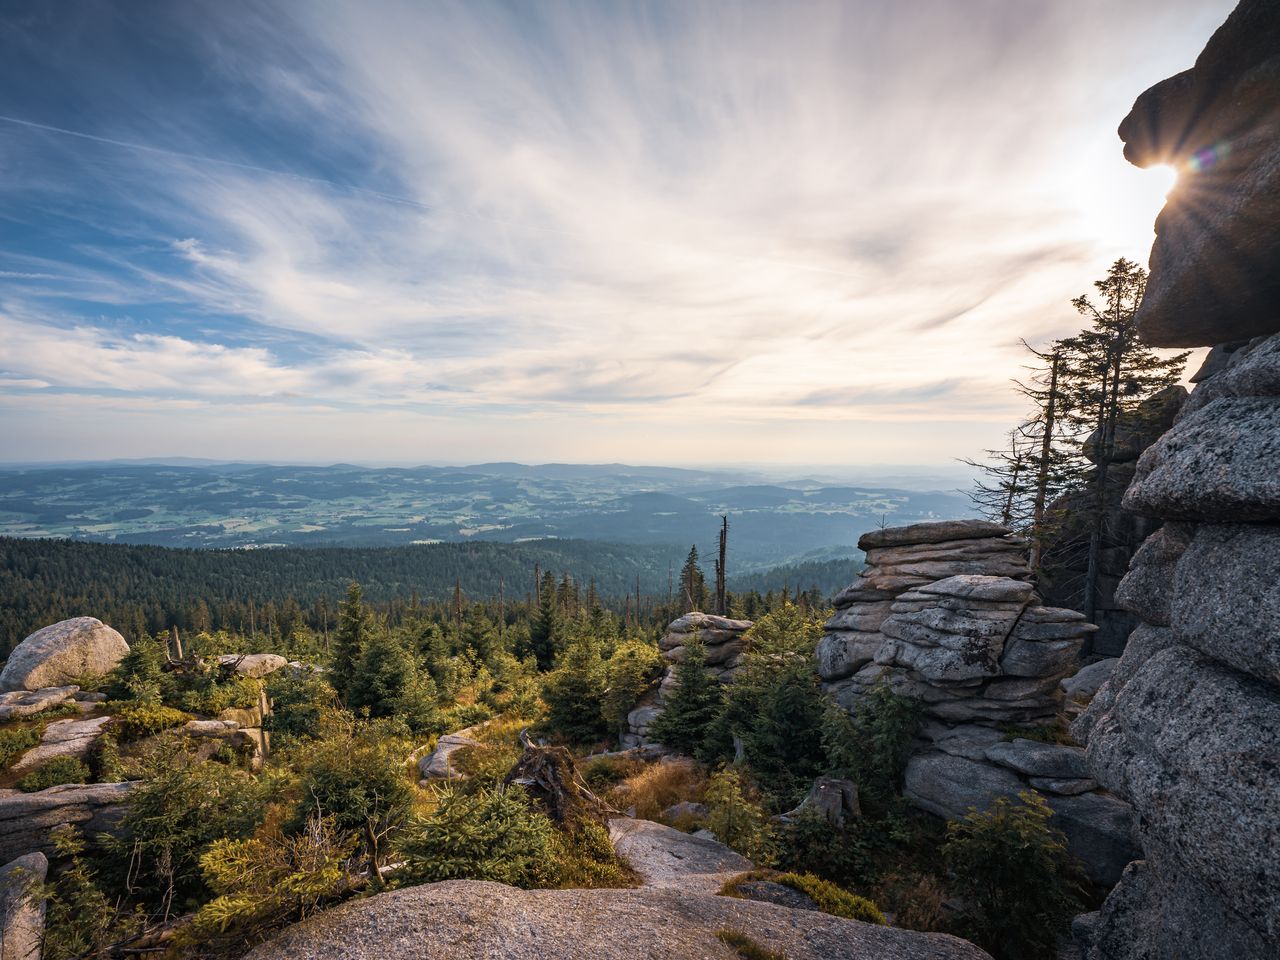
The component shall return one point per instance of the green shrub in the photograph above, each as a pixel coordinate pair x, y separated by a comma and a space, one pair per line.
825, 895
298, 701
137, 720
14, 742
573, 693
872, 747
462, 716
628, 675
605, 772
80, 918
737, 820
386, 682
212, 697
53, 772
810, 844
180, 807
1016, 874
745, 947
138, 676
584, 857
690, 708
488, 835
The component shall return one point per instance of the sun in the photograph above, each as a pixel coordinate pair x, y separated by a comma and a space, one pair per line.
1163, 178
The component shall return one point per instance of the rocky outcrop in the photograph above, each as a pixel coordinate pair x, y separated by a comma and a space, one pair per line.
1188, 726
1213, 266
253, 664
62, 653
1065, 562
724, 641
470, 920
832, 798
982, 654
62, 738
21, 911
436, 765
27, 818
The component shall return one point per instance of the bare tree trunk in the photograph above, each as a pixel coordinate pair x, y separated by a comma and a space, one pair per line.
1042, 477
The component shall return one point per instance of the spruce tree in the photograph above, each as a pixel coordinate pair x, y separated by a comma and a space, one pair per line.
387, 682
574, 692
689, 710
546, 629
349, 640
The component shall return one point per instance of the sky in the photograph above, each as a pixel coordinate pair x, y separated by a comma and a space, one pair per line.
663, 232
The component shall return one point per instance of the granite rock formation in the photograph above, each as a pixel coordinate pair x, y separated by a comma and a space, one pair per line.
61, 653
1065, 563
27, 818
21, 909
1188, 726
470, 919
724, 642
946, 613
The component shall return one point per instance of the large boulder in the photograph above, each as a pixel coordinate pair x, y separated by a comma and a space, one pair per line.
253, 664
61, 653
470, 920
21, 911
1213, 265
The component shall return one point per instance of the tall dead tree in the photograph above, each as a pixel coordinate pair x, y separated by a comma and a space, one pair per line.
721, 594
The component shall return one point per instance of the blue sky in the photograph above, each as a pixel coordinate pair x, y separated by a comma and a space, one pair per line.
653, 232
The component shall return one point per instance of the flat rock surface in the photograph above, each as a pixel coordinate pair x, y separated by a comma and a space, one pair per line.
666, 857
62, 738
253, 664
26, 703
436, 765
470, 920
932, 532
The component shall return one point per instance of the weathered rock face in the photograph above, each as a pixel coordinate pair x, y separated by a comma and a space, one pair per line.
1065, 562
669, 858
724, 642
21, 912
980, 651
1213, 265
27, 703
61, 653
1188, 726
469, 920
27, 818
253, 664
62, 738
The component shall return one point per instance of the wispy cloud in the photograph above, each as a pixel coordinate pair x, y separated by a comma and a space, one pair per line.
594, 215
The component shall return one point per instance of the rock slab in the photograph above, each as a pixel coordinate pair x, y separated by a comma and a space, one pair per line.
21, 914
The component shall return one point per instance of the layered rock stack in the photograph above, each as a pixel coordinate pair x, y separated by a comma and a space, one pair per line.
1188, 726
723, 640
946, 613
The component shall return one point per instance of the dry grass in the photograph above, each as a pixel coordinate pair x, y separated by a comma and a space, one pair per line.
916, 902
658, 786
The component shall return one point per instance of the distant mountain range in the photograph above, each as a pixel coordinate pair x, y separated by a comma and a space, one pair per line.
193, 503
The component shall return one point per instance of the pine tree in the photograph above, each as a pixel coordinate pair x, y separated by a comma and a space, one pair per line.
349, 639
689, 710
629, 673
139, 675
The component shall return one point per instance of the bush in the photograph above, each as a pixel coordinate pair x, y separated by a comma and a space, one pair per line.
573, 693
810, 844
57, 771
605, 772
211, 697
872, 747
689, 710
916, 902
357, 775
138, 676
584, 857
14, 742
737, 820
80, 918
298, 701
387, 683
271, 878
489, 835
137, 720
180, 807
628, 674
1014, 869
